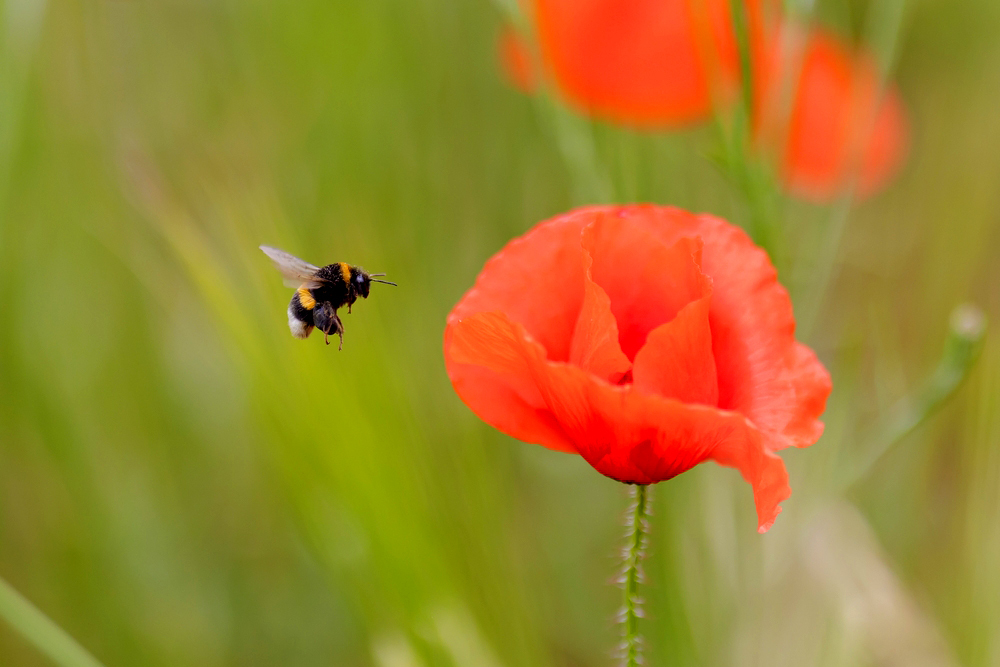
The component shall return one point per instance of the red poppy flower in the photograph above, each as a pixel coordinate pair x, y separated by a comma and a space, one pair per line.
645, 339
639, 62
822, 111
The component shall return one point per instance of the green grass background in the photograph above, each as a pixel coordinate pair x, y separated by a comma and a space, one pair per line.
182, 483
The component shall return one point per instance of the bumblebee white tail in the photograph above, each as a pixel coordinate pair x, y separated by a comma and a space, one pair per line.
299, 328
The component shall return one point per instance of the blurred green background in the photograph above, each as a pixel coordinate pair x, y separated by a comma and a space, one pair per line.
182, 483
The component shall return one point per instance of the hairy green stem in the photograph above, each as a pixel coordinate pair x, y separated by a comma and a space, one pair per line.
41, 631
636, 538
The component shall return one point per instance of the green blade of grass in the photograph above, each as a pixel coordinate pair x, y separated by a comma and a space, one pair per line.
40, 631
962, 348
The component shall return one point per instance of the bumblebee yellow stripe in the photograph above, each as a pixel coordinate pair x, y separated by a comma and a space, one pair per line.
345, 270
306, 298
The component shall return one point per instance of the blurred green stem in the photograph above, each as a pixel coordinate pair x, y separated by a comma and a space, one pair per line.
738, 11
574, 134
41, 631
750, 175
962, 348
575, 137
635, 550
20, 27
754, 182
826, 263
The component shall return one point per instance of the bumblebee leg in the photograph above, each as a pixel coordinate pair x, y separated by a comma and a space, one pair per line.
340, 330
326, 320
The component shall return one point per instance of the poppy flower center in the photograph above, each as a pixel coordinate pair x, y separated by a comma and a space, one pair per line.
643, 321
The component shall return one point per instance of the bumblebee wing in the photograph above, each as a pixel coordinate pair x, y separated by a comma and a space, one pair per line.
295, 271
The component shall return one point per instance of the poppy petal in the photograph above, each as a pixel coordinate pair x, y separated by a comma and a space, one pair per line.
521, 279
647, 280
595, 345
762, 469
808, 380
763, 372
677, 361
643, 438
489, 360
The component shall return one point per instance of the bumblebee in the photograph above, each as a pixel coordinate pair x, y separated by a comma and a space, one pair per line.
320, 292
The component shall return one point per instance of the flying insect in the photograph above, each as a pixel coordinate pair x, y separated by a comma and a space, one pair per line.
320, 292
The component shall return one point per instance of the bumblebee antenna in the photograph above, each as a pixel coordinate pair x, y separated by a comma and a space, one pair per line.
384, 282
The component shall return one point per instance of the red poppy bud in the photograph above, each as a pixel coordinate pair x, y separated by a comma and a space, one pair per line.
822, 111
645, 339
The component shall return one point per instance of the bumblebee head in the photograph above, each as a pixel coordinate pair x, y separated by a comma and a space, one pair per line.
361, 281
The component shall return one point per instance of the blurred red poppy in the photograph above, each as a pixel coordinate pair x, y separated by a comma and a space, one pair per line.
639, 62
821, 109
647, 340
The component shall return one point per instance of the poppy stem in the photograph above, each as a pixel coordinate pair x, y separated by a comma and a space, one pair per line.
636, 540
